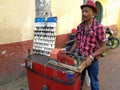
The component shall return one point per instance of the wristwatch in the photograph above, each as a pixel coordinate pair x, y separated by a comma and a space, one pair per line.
92, 58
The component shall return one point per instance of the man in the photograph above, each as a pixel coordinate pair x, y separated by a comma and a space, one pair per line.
91, 42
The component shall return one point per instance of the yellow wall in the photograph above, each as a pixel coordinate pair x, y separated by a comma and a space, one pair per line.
16, 20
119, 23
68, 13
119, 19
17, 17
110, 11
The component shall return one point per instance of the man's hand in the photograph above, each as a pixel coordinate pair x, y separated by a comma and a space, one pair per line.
88, 61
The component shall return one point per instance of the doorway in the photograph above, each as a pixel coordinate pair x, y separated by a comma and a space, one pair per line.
99, 14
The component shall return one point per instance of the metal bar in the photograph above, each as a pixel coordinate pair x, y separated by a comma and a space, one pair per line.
62, 65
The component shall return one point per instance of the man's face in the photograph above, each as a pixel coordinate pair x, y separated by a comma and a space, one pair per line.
87, 13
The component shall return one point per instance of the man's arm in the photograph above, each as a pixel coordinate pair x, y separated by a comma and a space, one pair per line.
74, 46
98, 52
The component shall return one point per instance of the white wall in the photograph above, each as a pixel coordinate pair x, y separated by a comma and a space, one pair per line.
68, 13
16, 20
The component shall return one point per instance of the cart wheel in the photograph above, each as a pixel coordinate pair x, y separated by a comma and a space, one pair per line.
45, 87
115, 43
103, 53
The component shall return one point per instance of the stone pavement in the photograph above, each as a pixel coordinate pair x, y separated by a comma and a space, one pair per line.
109, 74
19, 84
109, 71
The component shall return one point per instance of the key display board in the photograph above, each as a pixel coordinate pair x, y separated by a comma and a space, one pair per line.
44, 35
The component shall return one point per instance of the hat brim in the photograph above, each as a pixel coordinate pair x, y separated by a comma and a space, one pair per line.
95, 9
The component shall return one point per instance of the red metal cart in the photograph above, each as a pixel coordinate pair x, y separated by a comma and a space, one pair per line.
44, 76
